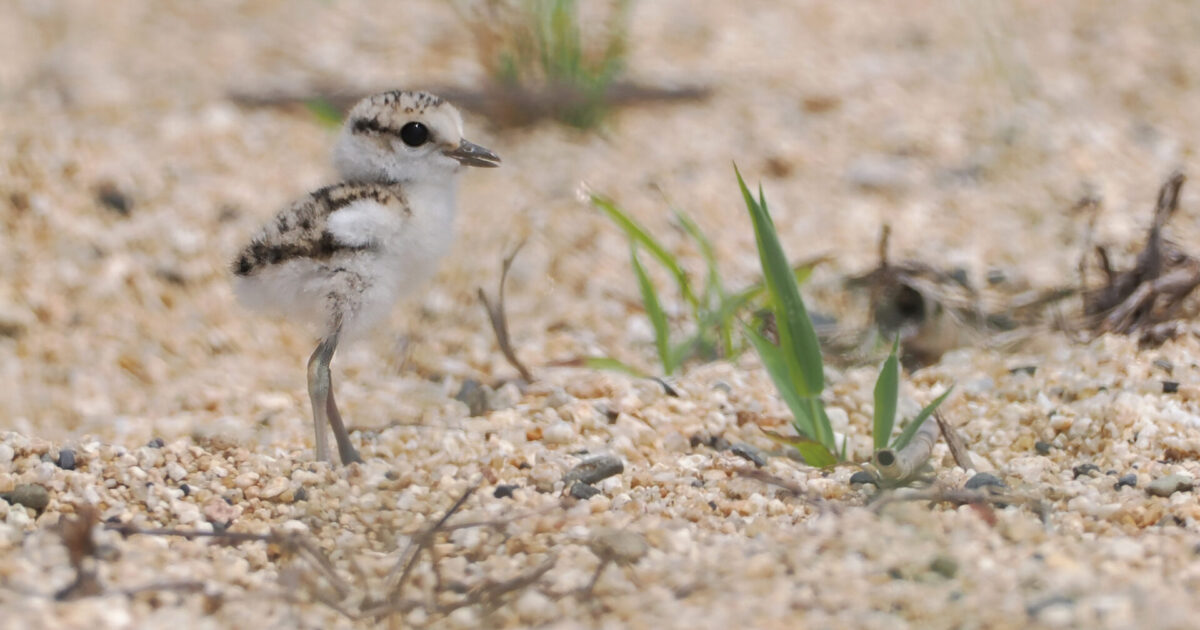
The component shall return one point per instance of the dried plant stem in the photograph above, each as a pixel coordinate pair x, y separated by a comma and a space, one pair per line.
499, 318
903, 465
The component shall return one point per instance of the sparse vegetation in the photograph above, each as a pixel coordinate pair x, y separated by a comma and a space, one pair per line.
796, 366
544, 45
712, 310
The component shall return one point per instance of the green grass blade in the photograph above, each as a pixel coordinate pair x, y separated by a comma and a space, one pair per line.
814, 453
324, 111
638, 233
658, 318
776, 366
887, 393
796, 334
613, 365
712, 280
907, 435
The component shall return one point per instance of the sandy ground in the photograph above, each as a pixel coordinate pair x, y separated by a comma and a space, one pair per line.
973, 128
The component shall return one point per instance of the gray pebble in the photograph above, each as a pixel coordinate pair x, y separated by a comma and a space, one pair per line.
1166, 486
28, 494
504, 491
594, 469
746, 451
1042, 448
156, 443
1126, 480
474, 396
66, 459
1085, 469
863, 477
583, 491
1170, 387
984, 480
944, 566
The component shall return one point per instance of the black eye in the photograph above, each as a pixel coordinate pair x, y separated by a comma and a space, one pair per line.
414, 134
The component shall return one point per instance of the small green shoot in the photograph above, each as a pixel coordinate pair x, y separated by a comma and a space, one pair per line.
324, 111
713, 310
658, 318
887, 396
795, 365
545, 47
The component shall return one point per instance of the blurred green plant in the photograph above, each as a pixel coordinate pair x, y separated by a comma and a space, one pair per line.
795, 364
542, 46
712, 310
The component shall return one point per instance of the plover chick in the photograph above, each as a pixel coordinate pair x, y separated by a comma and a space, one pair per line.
340, 257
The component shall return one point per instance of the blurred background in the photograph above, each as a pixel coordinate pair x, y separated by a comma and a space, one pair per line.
143, 142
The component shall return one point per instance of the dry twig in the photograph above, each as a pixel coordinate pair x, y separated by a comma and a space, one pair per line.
1150, 294
499, 318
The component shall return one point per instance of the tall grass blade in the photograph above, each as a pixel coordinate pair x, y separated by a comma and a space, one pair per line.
613, 365
814, 453
658, 318
887, 393
776, 365
640, 235
797, 337
906, 436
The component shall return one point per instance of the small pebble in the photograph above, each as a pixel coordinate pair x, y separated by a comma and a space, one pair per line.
984, 480
66, 459
474, 396
1170, 387
583, 491
1126, 480
863, 477
1029, 370
1085, 469
218, 512
1166, 486
944, 566
749, 452
1164, 365
504, 491
594, 469
156, 443
28, 494
1042, 448
617, 545
301, 494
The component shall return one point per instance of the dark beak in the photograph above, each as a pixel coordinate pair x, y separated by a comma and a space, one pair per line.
471, 154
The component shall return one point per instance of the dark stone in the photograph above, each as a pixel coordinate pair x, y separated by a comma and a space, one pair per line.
1170, 387
984, 480
66, 459
863, 477
944, 566
1042, 448
156, 443
474, 396
595, 468
28, 494
112, 198
301, 494
1085, 469
504, 491
1126, 480
187, 490
1029, 370
583, 491
746, 451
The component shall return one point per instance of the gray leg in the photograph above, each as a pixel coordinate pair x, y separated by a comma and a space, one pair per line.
319, 391
325, 412
345, 449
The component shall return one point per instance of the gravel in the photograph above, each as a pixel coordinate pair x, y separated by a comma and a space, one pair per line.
117, 328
